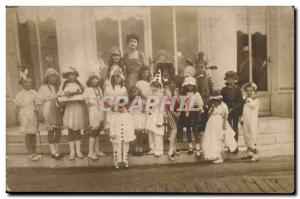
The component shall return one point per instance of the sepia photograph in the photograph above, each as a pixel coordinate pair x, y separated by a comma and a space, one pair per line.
150, 99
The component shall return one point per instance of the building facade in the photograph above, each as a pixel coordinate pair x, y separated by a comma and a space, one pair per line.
257, 42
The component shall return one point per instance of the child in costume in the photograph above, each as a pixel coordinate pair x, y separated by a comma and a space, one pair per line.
121, 132
70, 96
191, 118
115, 62
155, 119
141, 90
143, 83
50, 111
171, 113
26, 104
217, 132
92, 97
250, 120
139, 118
170, 90
118, 122
232, 97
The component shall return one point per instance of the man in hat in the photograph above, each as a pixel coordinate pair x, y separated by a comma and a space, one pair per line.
232, 97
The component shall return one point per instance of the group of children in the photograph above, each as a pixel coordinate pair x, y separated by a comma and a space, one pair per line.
80, 109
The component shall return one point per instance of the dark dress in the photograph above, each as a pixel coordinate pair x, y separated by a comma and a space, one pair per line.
133, 67
233, 98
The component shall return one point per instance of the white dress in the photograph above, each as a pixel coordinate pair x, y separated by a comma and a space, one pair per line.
73, 117
92, 98
144, 87
215, 137
250, 122
26, 100
139, 117
47, 97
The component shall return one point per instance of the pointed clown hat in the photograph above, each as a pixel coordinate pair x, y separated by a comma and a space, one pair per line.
157, 78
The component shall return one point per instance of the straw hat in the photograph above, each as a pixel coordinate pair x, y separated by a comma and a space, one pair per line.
69, 69
49, 72
252, 85
189, 81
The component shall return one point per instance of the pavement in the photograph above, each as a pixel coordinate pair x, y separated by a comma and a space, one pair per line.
268, 175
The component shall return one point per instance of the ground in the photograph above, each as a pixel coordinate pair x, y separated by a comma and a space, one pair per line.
269, 175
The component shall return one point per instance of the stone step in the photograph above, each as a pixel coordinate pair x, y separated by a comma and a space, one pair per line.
273, 130
17, 161
279, 137
105, 145
267, 125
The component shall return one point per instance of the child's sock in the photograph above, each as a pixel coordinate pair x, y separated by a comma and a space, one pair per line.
33, 143
28, 143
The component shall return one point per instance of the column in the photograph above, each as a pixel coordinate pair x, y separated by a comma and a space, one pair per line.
76, 40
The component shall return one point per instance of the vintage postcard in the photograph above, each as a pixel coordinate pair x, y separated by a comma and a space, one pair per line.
139, 99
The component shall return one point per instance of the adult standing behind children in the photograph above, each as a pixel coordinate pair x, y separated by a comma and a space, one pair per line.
133, 60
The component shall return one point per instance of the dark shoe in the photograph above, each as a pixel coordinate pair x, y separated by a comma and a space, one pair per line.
236, 150
171, 157
135, 154
176, 152
56, 156
139, 154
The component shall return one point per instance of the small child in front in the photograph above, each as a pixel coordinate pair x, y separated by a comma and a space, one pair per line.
217, 131
26, 103
121, 133
250, 120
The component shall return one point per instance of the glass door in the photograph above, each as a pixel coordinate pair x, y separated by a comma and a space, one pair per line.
252, 53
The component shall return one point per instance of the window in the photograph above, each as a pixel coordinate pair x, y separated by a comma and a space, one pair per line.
162, 29
252, 39
107, 35
133, 25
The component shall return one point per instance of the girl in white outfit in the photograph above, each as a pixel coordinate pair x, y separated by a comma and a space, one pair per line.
118, 121
250, 120
92, 97
70, 97
217, 131
26, 104
155, 119
50, 111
